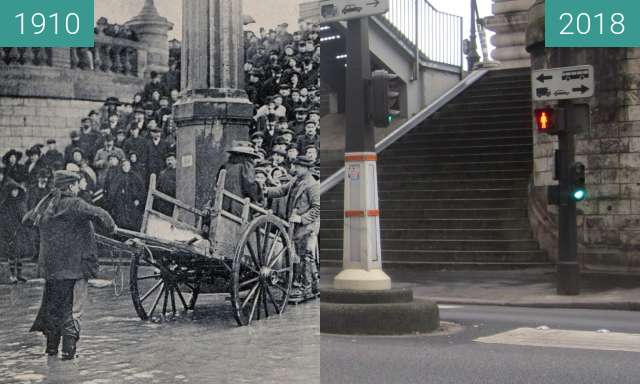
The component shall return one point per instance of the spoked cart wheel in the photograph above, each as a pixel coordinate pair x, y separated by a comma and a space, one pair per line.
262, 270
159, 286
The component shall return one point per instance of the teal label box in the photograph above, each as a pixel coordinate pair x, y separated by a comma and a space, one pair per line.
592, 23
46, 23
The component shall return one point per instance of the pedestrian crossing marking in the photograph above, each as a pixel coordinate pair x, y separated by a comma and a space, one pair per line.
557, 338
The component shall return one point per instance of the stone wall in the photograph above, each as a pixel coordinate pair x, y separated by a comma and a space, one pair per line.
609, 219
28, 121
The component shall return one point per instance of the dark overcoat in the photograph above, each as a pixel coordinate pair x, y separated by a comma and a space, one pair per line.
166, 185
241, 181
126, 189
67, 238
14, 237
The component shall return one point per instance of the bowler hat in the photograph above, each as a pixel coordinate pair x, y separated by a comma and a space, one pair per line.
74, 135
279, 152
309, 122
257, 134
242, 148
63, 179
280, 140
304, 161
112, 101
170, 154
43, 173
285, 131
51, 141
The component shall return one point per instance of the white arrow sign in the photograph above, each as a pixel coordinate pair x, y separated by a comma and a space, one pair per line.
338, 10
562, 83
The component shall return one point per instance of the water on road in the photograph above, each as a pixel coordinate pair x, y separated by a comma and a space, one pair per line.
203, 346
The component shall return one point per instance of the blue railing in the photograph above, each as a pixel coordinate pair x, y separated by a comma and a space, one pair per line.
439, 34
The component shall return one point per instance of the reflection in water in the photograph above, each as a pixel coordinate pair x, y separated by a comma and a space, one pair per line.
203, 346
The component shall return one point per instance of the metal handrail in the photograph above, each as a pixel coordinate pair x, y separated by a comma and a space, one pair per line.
410, 124
438, 35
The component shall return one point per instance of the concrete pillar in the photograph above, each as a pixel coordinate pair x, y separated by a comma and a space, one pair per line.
153, 30
509, 23
213, 109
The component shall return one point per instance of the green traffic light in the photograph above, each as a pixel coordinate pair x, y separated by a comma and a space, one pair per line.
390, 118
579, 194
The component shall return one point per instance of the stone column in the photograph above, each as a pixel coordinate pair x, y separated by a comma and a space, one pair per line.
153, 30
509, 23
213, 109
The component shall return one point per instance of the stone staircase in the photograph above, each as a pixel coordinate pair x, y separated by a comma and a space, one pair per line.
453, 192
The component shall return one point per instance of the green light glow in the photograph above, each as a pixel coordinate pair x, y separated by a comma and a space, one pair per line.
579, 194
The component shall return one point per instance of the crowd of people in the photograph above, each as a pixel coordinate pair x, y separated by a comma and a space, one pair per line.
119, 146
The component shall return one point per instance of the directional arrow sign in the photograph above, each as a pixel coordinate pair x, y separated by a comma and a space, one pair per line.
563, 83
339, 10
542, 78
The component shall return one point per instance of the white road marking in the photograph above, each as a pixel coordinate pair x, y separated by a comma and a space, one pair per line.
558, 338
441, 306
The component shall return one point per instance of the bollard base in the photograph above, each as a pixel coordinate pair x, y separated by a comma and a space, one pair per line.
384, 312
361, 279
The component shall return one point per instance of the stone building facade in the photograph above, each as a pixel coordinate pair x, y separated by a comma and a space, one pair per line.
609, 220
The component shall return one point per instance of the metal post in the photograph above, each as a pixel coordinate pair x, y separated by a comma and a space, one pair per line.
361, 260
416, 73
568, 269
359, 135
473, 57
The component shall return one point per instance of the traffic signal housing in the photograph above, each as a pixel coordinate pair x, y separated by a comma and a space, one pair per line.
578, 190
383, 98
549, 120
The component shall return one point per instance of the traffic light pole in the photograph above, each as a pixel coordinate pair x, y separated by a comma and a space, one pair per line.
568, 269
362, 262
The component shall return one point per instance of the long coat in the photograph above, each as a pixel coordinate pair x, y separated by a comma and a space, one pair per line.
155, 155
166, 185
241, 181
303, 198
125, 190
67, 238
14, 239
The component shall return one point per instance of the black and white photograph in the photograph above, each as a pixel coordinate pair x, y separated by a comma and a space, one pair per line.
160, 198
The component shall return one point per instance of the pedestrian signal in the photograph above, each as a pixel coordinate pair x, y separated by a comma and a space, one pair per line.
546, 120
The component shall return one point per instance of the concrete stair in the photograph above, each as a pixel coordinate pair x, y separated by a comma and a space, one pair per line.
453, 192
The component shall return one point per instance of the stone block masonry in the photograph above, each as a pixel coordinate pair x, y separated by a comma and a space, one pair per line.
27, 121
609, 220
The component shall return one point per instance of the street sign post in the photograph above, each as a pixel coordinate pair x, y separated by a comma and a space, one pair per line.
339, 10
562, 83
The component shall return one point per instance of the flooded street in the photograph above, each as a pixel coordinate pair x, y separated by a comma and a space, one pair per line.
204, 346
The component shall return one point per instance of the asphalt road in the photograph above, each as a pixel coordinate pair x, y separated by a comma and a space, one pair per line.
454, 357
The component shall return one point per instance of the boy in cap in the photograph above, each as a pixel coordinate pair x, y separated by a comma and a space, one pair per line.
303, 212
69, 253
52, 155
310, 136
75, 144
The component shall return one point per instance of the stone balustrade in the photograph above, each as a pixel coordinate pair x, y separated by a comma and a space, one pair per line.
109, 55
25, 56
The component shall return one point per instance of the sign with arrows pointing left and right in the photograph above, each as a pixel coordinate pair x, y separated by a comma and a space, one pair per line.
339, 10
562, 83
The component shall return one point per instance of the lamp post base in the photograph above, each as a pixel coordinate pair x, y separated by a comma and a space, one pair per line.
363, 280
